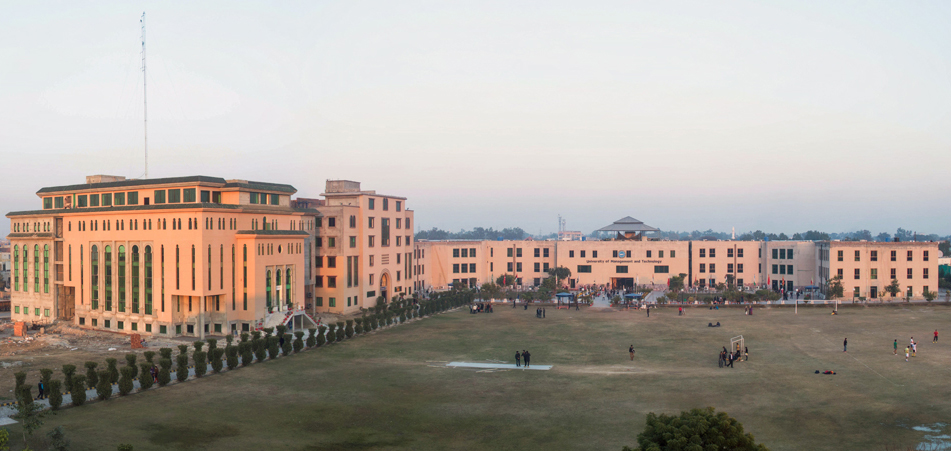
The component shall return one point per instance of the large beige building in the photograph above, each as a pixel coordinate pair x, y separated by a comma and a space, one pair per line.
866, 268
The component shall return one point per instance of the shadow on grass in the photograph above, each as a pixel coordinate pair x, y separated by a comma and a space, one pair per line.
360, 441
188, 436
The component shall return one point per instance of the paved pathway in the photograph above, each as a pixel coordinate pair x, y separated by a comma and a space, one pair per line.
498, 366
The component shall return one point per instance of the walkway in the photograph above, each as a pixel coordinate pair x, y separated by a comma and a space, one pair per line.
497, 366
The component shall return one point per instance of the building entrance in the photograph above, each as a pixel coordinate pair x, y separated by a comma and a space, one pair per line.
622, 282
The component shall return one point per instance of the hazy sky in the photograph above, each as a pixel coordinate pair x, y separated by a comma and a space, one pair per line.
780, 116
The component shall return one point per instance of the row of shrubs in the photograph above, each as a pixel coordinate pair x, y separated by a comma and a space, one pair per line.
251, 347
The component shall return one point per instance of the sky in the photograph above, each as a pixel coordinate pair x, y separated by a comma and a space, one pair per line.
779, 116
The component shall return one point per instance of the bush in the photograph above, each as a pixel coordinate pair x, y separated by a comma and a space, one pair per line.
165, 372
255, 335
288, 346
358, 328
272, 347
69, 372
245, 336
20, 377
212, 345
201, 363
260, 351
166, 353
130, 362
229, 339
231, 356
113, 370
267, 332
149, 355
298, 341
311, 338
46, 375
321, 336
145, 376
349, 330
244, 349
198, 345
125, 381
696, 429
182, 349
58, 440
79, 392
181, 371
92, 376
55, 394
340, 331
281, 330
104, 387
24, 394
215, 357
331, 333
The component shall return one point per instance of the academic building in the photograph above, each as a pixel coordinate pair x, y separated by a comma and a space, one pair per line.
632, 259
172, 256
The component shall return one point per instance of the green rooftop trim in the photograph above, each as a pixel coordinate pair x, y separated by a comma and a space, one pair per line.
31, 235
178, 206
263, 186
273, 232
131, 183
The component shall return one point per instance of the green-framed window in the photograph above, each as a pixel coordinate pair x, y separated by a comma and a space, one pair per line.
135, 279
58, 202
189, 194
93, 200
47, 203
132, 198
275, 199
174, 196
118, 199
46, 268
148, 280
94, 276
16, 270
107, 200
121, 272
332, 302
267, 290
206, 196
159, 196
82, 200
253, 198
107, 264
36, 269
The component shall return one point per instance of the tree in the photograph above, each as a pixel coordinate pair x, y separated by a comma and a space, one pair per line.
231, 356
130, 361
69, 372
79, 390
321, 335
559, 273
58, 440
834, 290
299, 340
201, 363
104, 387
698, 429
312, 338
29, 413
883, 237
125, 381
945, 248
929, 295
893, 288
165, 372
181, 371
146, 380
506, 280
112, 370
677, 282
349, 329
272, 347
55, 388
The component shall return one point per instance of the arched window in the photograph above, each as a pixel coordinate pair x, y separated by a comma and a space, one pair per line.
234, 293
244, 275
81, 278
287, 287
26, 260
193, 267
267, 291
107, 263
46, 268
277, 289
135, 279
177, 267
121, 273
148, 280
209, 267
16, 268
94, 275
36, 268
265, 223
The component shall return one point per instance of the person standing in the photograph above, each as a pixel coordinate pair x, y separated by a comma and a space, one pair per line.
896, 346
528, 357
631, 351
518, 359
720, 359
906, 353
746, 351
648, 310
914, 349
730, 356
935, 336
845, 345
41, 388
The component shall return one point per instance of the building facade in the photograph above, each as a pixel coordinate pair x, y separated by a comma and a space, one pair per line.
174, 256
866, 268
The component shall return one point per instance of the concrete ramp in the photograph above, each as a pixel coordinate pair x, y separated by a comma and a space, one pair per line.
497, 366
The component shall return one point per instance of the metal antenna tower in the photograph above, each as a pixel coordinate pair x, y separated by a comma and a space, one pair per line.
145, 98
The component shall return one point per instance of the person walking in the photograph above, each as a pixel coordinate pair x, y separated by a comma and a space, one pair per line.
896, 346
41, 388
730, 356
845, 345
935, 336
746, 351
543, 313
518, 359
631, 351
720, 359
906, 353
528, 357
648, 310
914, 349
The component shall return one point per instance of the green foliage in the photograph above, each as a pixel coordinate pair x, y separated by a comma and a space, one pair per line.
45, 375
340, 330
506, 280
272, 347
125, 447
183, 349
104, 387
125, 381
348, 331
311, 338
298, 341
92, 376
229, 339
201, 363
198, 345
929, 295
29, 414
20, 378
55, 390
212, 345
130, 362
216, 363
231, 356
244, 349
113, 370
165, 372
181, 370
260, 349
145, 376
834, 290
79, 390
255, 335
698, 429
331, 333
57, 439
677, 283
358, 326
245, 336
149, 356
4, 440
281, 330
288, 346
166, 353
321, 336
267, 332
69, 372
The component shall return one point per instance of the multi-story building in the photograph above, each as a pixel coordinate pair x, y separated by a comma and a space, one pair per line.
172, 256
866, 267
363, 249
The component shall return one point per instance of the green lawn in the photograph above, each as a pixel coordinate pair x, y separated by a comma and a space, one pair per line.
389, 390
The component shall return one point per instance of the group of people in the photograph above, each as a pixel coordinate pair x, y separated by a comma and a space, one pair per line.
539, 313
748, 311
524, 355
727, 358
480, 307
681, 311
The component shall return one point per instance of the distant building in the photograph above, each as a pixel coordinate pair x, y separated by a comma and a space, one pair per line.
570, 235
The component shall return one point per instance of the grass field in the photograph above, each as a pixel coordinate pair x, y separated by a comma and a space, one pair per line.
389, 389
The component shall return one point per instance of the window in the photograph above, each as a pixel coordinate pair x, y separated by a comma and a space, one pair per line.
386, 204
82, 201
509, 267
703, 267
661, 269
372, 203
584, 268
455, 268
789, 269
275, 199
838, 273
518, 252
909, 276
471, 250
538, 267
331, 281
399, 206
332, 302
703, 253
159, 196
873, 275
93, 200
713, 253
174, 196
108, 276
372, 240
855, 292
571, 254
840, 255
648, 254
370, 222
924, 273
331, 241
47, 203
775, 254
331, 262
782, 269
385, 231
205, 196
59, 202
776, 269
892, 274
107, 200
858, 273
713, 266
739, 253
518, 266
729, 268
894, 256
582, 254
925, 256
729, 252
353, 241
739, 269
620, 269
118, 199
538, 253
660, 254
122, 277
353, 222
910, 256
594, 254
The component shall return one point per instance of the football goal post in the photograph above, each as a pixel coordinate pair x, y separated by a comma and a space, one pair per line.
737, 344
